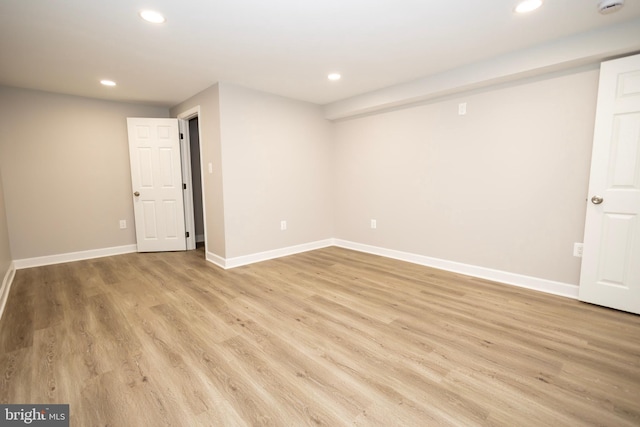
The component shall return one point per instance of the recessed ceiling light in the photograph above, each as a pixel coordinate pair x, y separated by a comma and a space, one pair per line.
152, 16
334, 77
108, 82
528, 6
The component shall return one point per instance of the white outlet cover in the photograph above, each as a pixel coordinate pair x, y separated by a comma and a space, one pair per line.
577, 250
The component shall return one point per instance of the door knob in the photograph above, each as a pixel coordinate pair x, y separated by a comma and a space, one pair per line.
596, 200
137, 193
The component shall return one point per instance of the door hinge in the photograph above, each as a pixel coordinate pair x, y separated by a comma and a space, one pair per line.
186, 234
184, 186
181, 135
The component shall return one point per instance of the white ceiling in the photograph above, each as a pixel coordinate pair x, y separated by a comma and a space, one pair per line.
286, 47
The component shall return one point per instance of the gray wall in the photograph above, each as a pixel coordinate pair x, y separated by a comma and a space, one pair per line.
275, 155
209, 123
502, 187
277, 164
5, 251
65, 168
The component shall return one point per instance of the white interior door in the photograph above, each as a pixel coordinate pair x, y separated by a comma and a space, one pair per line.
156, 177
610, 274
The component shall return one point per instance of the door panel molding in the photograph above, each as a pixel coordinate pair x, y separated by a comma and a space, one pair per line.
610, 273
156, 180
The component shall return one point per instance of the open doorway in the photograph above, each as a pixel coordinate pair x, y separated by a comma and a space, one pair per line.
196, 181
194, 198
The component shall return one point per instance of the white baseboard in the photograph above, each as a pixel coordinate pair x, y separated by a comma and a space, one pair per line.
267, 255
543, 285
6, 286
215, 259
73, 256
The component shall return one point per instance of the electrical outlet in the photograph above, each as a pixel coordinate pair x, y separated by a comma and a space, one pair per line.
462, 108
123, 224
577, 249
283, 225
374, 223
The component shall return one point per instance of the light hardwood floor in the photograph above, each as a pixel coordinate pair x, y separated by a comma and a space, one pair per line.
330, 337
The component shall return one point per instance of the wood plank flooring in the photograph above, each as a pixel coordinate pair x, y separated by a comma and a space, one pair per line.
330, 337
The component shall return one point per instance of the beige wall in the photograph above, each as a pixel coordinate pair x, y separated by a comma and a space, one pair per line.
277, 162
502, 187
5, 251
209, 124
65, 165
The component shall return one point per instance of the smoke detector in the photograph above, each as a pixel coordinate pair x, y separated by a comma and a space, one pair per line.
609, 6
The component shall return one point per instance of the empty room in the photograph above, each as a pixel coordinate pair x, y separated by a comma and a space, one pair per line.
291, 213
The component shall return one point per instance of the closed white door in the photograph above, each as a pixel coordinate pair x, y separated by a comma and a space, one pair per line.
156, 177
610, 274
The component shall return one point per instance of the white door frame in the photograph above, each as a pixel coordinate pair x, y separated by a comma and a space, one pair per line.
187, 177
